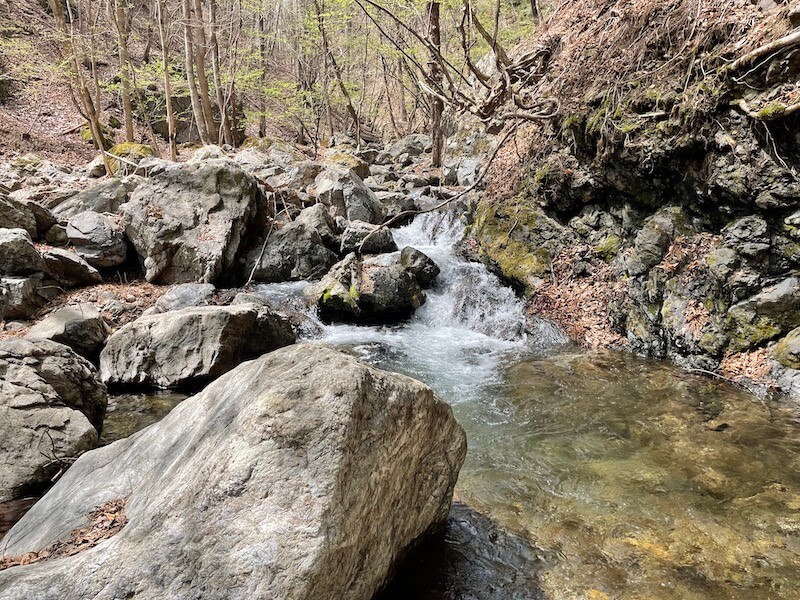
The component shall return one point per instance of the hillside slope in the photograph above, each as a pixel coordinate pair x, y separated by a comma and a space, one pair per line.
659, 209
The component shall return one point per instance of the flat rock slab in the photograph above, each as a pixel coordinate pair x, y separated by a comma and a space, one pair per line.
191, 346
304, 474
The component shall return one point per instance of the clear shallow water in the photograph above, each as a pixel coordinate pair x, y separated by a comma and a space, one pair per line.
614, 477
630, 479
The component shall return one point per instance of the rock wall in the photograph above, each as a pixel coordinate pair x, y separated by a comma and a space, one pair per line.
669, 204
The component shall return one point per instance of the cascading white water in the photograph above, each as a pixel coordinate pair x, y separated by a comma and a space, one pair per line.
457, 340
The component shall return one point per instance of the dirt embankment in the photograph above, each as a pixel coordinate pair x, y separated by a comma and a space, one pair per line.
660, 209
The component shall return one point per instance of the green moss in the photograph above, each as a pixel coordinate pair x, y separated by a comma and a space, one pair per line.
787, 350
258, 143
772, 110
353, 291
130, 151
504, 235
750, 335
609, 247
86, 136
629, 126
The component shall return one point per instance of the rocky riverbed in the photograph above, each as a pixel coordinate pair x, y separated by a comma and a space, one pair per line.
308, 466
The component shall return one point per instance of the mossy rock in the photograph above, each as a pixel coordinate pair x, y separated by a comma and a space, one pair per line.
130, 151
86, 136
28, 163
787, 350
262, 144
519, 239
347, 160
757, 331
608, 247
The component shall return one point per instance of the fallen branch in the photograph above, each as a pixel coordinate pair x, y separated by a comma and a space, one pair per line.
412, 213
73, 129
787, 41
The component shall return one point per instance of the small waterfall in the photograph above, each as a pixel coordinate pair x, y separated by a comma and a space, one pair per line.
458, 341
466, 294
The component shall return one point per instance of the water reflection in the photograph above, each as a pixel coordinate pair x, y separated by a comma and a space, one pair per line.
636, 480
128, 413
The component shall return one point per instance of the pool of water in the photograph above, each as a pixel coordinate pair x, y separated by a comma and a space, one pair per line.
635, 480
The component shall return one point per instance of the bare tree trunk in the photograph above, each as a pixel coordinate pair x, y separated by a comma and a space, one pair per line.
225, 125
337, 72
437, 106
200, 49
262, 52
77, 82
121, 26
197, 109
162, 33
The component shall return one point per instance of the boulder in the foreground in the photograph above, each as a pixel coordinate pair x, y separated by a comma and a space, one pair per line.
188, 222
368, 291
191, 346
51, 409
80, 327
302, 475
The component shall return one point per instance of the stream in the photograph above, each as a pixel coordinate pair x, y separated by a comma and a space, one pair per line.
589, 475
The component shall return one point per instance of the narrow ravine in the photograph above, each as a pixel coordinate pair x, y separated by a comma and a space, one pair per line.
609, 476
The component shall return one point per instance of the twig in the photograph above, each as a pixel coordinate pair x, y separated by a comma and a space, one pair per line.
411, 213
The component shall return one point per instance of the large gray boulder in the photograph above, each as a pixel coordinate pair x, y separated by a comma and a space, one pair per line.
105, 197
292, 253
191, 346
80, 327
21, 297
188, 222
319, 219
18, 255
347, 196
69, 269
302, 475
97, 239
17, 215
51, 409
366, 291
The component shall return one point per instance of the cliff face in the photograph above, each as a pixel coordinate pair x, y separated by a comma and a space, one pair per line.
661, 208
